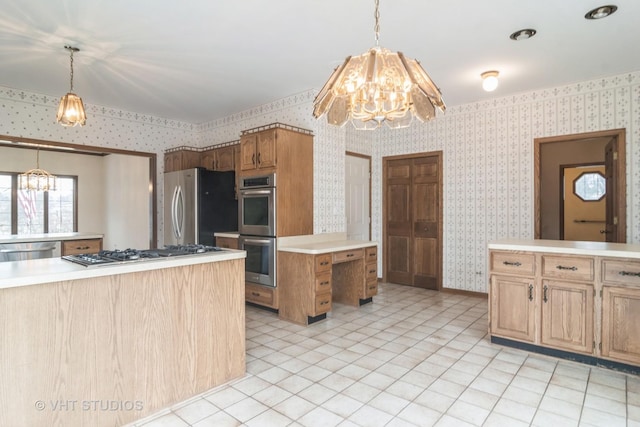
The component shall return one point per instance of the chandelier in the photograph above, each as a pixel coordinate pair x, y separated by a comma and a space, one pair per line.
71, 110
378, 86
37, 179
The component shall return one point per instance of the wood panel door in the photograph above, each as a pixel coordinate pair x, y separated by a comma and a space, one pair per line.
413, 220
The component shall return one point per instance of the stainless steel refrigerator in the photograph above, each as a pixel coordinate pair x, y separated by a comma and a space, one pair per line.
198, 203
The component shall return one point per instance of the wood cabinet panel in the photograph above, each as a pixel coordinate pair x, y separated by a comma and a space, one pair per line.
227, 242
181, 159
567, 316
262, 295
621, 324
225, 158
322, 263
323, 282
345, 256
568, 267
84, 246
513, 312
621, 271
322, 304
512, 263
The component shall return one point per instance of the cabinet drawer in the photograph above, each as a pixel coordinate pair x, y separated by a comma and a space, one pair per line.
88, 246
323, 263
345, 256
323, 303
260, 294
227, 242
371, 254
512, 263
371, 272
568, 267
621, 271
371, 289
323, 282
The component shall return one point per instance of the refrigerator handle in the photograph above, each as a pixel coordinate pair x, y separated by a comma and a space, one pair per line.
179, 212
174, 212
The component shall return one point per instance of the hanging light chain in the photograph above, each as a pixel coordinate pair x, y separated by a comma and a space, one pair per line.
71, 50
376, 28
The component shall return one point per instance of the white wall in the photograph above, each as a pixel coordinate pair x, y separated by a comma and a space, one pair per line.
126, 202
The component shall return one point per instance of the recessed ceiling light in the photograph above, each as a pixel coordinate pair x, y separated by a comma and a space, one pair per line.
601, 12
527, 33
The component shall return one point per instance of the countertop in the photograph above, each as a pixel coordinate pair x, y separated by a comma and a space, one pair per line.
616, 250
321, 243
47, 237
47, 270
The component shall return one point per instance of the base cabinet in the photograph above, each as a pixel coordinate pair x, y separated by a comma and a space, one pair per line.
83, 246
227, 242
261, 295
583, 305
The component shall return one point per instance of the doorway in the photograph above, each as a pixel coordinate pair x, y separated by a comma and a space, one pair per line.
552, 153
412, 220
358, 196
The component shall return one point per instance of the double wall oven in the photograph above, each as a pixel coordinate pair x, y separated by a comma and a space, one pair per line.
257, 226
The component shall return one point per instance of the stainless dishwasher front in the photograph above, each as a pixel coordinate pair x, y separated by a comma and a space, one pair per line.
29, 250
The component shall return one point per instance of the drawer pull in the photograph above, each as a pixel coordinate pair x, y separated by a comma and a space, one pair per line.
373, 254
544, 293
371, 271
82, 248
513, 264
629, 273
349, 255
530, 292
324, 263
372, 287
255, 294
562, 267
324, 302
324, 283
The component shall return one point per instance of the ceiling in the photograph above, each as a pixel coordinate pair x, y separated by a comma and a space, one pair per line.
200, 60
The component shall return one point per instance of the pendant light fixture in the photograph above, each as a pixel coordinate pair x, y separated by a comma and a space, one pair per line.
71, 110
378, 87
37, 179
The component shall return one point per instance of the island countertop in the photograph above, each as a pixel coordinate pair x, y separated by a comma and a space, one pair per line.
46, 270
321, 243
47, 237
606, 249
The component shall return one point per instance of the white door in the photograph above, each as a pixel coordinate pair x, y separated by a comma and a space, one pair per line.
357, 193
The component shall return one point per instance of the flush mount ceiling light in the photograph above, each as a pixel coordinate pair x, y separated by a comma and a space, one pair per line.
71, 110
524, 34
489, 80
378, 86
601, 12
37, 179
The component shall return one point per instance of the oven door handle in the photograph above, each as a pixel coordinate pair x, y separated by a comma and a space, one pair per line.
256, 192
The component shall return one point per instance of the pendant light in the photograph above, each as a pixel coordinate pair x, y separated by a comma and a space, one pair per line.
378, 87
37, 179
71, 110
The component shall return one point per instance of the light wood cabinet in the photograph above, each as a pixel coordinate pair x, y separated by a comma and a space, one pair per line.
587, 305
83, 246
180, 159
261, 295
621, 310
543, 299
227, 242
219, 159
371, 272
258, 150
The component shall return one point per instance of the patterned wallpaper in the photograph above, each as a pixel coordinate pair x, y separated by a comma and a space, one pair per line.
487, 150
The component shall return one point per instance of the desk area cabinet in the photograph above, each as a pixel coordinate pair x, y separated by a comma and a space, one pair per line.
579, 300
314, 276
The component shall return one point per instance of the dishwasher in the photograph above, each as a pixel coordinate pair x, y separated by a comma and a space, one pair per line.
29, 250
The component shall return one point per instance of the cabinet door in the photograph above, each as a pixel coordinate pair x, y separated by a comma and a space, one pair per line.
621, 324
224, 159
190, 159
513, 308
567, 316
248, 152
172, 161
208, 159
266, 156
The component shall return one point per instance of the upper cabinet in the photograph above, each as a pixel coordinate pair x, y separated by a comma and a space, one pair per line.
258, 150
181, 158
219, 159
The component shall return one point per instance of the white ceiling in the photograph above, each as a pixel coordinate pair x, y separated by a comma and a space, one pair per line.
198, 60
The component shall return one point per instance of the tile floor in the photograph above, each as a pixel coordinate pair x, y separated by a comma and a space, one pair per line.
411, 358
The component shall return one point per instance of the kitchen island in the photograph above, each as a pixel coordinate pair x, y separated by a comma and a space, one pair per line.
576, 300
316, 270
108, 345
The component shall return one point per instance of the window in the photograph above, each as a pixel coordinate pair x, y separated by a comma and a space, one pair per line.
590, 186
30, 212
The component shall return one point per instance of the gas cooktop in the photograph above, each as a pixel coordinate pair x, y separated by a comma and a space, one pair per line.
106, 257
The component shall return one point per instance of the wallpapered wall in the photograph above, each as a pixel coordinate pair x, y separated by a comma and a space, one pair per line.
487, 150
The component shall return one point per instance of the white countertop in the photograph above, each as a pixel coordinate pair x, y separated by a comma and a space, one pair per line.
229, 234
616, 250
47, 237
47, 270
321, 243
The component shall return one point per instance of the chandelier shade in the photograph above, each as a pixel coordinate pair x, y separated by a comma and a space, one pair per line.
37, 179
378, 87
71, 109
